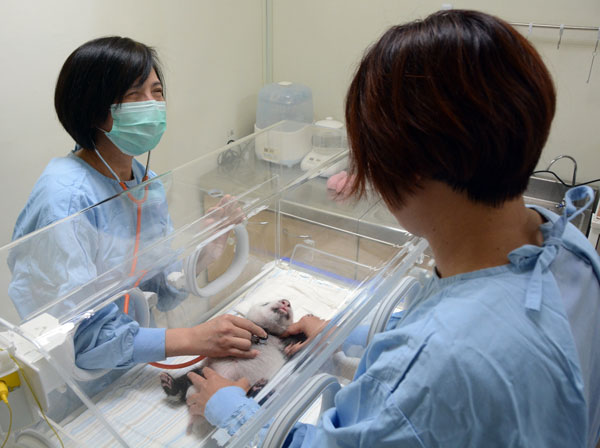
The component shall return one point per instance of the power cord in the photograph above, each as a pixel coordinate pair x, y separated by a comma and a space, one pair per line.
563, 182
4, 398
232, 157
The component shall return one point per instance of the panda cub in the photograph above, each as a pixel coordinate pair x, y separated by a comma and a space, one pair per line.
274, 317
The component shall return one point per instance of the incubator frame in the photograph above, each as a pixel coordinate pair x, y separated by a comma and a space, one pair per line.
265, 193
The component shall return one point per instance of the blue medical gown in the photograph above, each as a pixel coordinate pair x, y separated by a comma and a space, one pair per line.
505, 356
67, 256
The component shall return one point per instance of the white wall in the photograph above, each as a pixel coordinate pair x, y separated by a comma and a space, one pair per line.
212, 57
320, 42
213, 60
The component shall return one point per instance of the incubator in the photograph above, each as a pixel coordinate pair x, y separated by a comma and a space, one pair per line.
265, 231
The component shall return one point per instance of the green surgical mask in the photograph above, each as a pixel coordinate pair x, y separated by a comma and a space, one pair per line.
137, 127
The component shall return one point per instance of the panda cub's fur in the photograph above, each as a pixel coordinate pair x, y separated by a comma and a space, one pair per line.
274, 317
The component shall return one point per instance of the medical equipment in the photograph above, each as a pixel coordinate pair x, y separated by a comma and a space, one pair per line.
328, 139
175, 278
289, 142
293, 240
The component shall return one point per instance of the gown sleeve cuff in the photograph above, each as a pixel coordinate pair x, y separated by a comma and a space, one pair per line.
149, 345
229, 407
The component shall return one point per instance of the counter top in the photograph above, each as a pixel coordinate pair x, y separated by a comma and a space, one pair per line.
310, 200
367, 217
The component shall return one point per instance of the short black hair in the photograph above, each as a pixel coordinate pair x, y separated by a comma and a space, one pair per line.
96, 75
460, 97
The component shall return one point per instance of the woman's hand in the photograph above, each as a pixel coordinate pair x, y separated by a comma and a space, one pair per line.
207, 386
225, 335
309, 325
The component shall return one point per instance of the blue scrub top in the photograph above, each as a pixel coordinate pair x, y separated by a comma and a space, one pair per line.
73, 253
505, 356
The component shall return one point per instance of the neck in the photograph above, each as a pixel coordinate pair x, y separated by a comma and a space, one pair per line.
466, 236
121, 163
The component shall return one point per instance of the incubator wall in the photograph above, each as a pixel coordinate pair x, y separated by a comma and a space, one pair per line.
213, 236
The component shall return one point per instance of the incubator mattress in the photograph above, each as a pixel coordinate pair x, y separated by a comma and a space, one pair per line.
136, 406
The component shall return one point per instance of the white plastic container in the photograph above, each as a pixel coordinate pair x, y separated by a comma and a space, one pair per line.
284, 101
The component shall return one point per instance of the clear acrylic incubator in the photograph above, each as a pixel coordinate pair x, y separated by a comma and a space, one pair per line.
282, 235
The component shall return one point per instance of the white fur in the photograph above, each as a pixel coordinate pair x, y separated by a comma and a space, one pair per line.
270, 357
271, 317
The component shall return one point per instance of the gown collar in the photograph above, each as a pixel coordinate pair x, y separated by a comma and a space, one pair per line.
530, 257
541, 257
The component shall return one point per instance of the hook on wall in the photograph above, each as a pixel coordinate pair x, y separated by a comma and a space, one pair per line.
561, 28
560, 33
593, 56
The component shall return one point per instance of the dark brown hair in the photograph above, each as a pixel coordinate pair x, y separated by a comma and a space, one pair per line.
459, 97
96, 75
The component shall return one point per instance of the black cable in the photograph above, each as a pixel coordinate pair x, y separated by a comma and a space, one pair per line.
231, 158
562, 182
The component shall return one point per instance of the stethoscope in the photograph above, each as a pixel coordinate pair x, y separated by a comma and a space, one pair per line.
191, 283
138, 230
138, 225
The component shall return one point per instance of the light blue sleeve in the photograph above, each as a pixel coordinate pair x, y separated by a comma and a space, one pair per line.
229, 408
385, 426
112, 339
364, 414
58, 261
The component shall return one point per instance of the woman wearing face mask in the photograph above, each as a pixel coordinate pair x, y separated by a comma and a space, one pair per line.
110, 98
